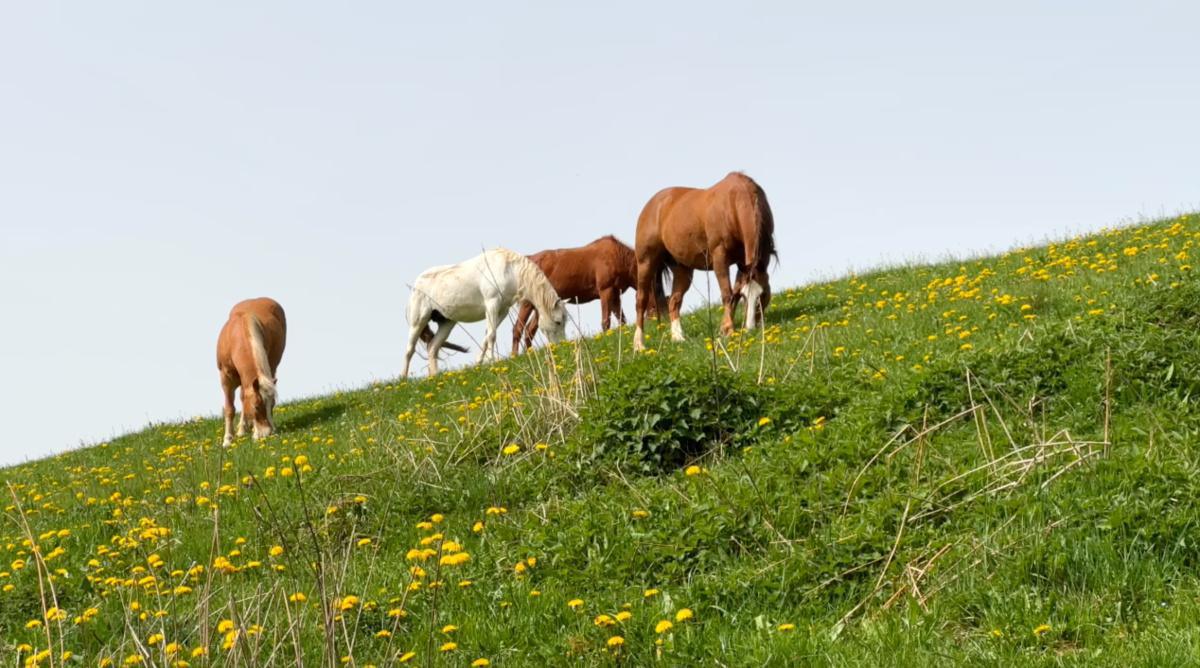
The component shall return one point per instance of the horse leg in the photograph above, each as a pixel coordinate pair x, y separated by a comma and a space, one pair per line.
414, 335
680, 282
519, 326
739, 291
752, 291
721, 269
647, 276
228, 386
605, 308
494, 317
435, 344
531, 329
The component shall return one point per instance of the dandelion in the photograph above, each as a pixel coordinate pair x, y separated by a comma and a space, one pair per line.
784, 628
693, 470
764, 421
1041, 630
615, 642
406, 657
511, 449
448, 646
663, 626
479, 663
683, 615
575, 603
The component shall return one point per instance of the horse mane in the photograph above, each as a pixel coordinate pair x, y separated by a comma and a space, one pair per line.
625, 256
766, 219
266, 384
533, 282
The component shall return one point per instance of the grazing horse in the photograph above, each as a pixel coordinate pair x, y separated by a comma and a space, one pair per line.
248, 353
484, 287
684, 229
600, 270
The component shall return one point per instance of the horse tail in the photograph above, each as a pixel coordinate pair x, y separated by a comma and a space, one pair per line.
660, 290
758, 230
262, 365
427, 335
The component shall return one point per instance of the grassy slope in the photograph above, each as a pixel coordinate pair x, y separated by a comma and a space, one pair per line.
933, 486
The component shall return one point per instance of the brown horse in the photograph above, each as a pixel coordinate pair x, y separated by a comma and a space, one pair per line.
684, 229
248, 353
600, 270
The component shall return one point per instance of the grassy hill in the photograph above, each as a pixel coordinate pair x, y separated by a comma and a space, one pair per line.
991, 462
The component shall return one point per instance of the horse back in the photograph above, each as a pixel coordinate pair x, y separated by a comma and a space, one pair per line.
234, 354
571, 271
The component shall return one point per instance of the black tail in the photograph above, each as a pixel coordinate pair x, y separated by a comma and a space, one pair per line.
660, 291
427, 334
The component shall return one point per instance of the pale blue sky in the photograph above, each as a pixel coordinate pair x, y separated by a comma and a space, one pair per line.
160, 161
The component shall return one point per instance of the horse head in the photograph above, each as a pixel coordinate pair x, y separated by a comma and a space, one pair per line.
258, 403
554, 321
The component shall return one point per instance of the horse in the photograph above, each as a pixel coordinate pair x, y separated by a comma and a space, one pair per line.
603, 270
484, 287
684, 229
249, 349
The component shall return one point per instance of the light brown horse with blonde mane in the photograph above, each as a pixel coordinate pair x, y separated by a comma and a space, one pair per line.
685, 229
248, 353
603, 270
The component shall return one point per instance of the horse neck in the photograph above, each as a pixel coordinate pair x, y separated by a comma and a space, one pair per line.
533, 286
627, 263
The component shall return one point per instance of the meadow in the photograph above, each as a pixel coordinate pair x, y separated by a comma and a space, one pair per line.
987, 462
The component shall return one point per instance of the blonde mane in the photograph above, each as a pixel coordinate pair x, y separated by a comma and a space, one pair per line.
533, 283
259, 350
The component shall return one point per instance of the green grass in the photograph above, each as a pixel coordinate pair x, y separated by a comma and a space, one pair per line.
983, 462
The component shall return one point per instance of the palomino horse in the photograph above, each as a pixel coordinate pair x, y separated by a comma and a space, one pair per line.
484, 287
600, 270
248, 353
684, 229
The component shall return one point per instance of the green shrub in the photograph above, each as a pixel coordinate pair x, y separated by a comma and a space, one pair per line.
659, 416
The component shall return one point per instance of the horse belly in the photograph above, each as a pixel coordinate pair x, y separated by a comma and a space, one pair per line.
689, 251
463, 310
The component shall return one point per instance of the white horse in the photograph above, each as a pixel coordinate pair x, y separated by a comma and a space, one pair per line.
484, 287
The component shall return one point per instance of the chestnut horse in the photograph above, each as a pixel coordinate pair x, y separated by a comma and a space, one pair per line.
684, 229
600, 270
248, 353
